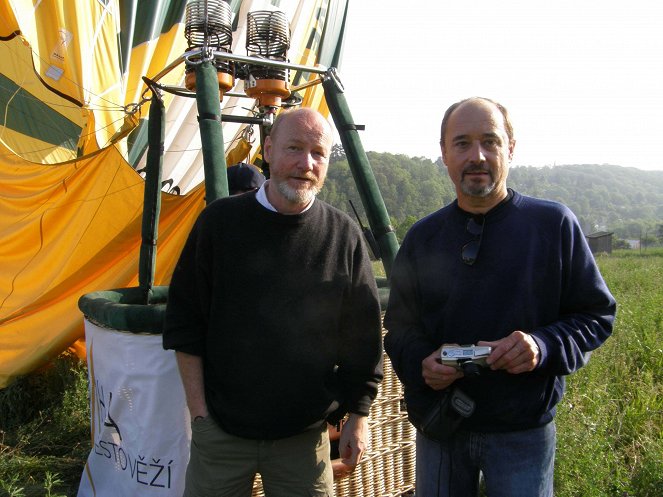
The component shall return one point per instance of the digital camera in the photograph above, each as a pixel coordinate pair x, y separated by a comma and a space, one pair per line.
466, 358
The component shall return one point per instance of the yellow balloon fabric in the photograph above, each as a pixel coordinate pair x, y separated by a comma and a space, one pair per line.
71, 91
66, 231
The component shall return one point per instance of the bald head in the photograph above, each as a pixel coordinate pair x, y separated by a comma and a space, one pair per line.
447, 115
305, 116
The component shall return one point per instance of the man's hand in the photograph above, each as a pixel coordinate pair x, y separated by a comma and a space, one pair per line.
354, 439
516, 353
191, 372
437, 375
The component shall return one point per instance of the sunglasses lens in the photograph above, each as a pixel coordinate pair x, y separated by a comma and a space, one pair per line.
470, 251
474, 228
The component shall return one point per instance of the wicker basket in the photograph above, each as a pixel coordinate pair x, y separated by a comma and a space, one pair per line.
387, 468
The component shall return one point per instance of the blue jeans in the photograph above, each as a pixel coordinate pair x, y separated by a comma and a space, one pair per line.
514, 464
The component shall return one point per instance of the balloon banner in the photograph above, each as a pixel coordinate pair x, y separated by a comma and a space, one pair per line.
140, 423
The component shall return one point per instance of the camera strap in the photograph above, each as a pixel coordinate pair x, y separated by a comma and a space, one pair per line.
461, 403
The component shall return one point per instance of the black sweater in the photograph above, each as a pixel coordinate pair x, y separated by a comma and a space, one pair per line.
284, 311
534, 272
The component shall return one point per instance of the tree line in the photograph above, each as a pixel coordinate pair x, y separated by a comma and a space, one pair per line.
625, 201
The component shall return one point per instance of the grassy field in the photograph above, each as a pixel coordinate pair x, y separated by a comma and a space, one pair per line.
610, 423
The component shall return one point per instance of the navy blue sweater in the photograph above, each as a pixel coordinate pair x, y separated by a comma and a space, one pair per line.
284, 312
534, 273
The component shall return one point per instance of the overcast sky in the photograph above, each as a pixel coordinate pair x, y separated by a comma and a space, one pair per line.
583, 79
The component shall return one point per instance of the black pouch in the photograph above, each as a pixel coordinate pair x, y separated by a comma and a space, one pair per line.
446, 415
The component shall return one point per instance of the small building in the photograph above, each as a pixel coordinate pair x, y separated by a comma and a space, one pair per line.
633, 244
600, 242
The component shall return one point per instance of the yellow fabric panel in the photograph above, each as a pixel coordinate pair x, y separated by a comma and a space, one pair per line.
313, 96
87, 143
149, 59
307, 55
17, 66
238, 153
56, 39
40, 152
81, 41
67, 231
8, 22
75, 52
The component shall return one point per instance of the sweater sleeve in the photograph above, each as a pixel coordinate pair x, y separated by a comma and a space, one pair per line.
188, 296
405, 343
587, 309
360, 359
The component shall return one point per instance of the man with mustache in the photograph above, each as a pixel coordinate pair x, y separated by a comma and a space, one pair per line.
274, 314
498, 269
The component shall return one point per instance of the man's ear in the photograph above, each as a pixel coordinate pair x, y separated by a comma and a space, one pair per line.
512, 147
267, 149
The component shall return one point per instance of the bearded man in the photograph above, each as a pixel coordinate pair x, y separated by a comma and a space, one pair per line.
274, 314
502, 270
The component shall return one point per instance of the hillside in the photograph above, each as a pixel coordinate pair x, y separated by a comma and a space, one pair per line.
624, 200
604, 197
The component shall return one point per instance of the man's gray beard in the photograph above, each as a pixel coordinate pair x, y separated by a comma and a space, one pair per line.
301, 196
477, 190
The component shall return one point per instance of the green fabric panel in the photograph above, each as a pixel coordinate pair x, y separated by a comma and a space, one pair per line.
121, 310
338, 50
329, 53
126, 34
327, 40
137, 142
31, 117
143, 21
154, 18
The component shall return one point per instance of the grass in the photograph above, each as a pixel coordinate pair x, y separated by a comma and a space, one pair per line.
610, 422
45, 431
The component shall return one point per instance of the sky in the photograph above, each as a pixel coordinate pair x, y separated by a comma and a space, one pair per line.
582, 79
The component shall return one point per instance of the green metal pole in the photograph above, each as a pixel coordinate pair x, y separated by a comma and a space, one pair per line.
151, 198
378, 218
211, 133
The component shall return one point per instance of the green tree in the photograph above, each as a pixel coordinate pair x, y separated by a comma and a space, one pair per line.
626, 201
337, 153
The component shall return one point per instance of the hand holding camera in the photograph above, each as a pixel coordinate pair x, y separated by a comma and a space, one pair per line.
516, 353
466, 358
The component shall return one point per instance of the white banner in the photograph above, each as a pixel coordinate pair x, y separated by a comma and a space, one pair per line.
139, 419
